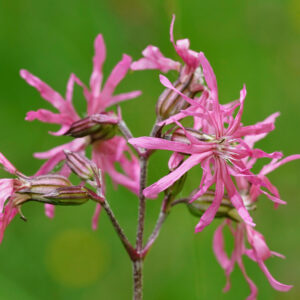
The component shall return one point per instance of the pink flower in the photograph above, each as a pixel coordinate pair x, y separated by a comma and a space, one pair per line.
221, 158
154, 59
106, 152
98, 99
14, 192
67, 114
258, 188
7, 189
258, 252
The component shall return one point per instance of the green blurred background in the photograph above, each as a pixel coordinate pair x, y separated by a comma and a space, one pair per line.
251, 41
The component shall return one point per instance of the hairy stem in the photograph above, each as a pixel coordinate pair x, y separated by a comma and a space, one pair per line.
129, 248
103, 202
164, 211
125, 130
142, 204
138, 279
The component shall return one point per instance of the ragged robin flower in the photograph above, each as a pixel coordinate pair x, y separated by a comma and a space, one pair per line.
98, 128
222, 157
54, 189
258, 252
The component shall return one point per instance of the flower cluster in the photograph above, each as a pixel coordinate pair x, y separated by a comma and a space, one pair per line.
98, 128
217, 142
222, 146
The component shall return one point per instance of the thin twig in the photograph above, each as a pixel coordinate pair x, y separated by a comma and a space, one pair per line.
129, 248
125, 130
142, 204
103, 202
182, 200
164, 212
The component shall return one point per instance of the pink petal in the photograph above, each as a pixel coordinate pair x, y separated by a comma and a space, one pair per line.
210, 213
46, 91
253, 288
98, 60
44, 116
61, 131
277, 254
274, 165
275, 199
207, 181
190, 57
274, 283
258, 243
209, 75
49, 210
167, 83
47, 116
6, 217
70, 87
235, 125
107, 153
56, 155
257, 153
158, 143
235, 197
154, 59
117, 74
50, 164
130, 166
251, 140
119, 178
123, 97
272, 188
74, 146
172, 29
175, 160
190, 111
165, 182
218, 247
256, 129
8, 166
190, 137
6, 190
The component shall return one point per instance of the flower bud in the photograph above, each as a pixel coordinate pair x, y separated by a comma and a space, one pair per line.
180, 135
171, 103
80, 165
35, 188
72, 195
226, 209
98, 126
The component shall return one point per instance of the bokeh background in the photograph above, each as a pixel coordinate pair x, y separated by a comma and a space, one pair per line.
250, 41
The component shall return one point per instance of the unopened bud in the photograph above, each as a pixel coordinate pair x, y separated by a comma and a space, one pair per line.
180, 135
98, 126
80, 165
171, 103
225, 210
35, 188
72, 195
